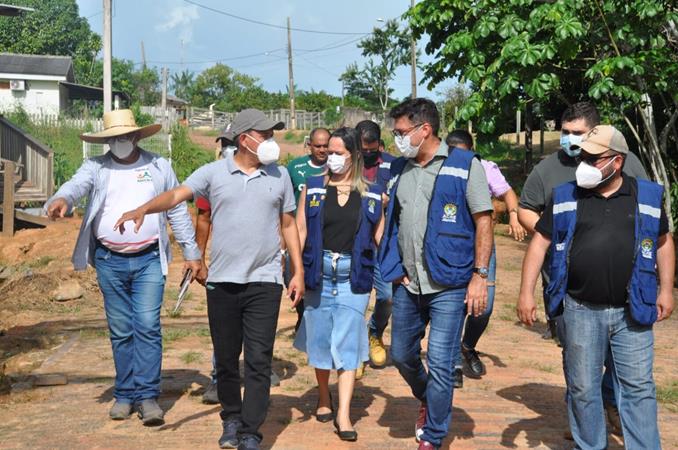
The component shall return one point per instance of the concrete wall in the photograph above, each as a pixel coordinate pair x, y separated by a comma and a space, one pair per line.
40, 97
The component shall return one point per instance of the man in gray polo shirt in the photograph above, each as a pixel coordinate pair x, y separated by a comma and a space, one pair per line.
252, 203
422, 241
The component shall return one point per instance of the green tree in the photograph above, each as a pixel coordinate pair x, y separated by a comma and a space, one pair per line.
621, 53
182, 84
453, 99
387, 49
142, 86
54, 28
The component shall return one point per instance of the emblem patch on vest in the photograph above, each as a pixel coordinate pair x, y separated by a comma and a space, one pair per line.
450, 213
370, 205
314, 202
646, 248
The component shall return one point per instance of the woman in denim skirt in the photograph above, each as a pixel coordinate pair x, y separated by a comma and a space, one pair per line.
340, 222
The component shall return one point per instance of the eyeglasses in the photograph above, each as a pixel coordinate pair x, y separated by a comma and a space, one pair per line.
398, 133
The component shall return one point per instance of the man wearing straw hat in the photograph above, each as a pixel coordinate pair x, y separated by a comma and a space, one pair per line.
131, 267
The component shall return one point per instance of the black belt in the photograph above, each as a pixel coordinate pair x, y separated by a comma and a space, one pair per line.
151, 248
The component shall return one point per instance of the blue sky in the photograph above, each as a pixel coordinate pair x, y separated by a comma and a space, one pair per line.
208, 36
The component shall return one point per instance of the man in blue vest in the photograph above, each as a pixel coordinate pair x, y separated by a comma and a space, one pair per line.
377, 170
609, 241
436, 249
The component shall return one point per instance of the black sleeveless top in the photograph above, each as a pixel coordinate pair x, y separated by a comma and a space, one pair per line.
340, 223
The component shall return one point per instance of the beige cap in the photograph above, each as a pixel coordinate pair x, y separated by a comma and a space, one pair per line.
603, 138
118, 123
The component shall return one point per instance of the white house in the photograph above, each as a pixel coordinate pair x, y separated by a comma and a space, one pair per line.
35, 82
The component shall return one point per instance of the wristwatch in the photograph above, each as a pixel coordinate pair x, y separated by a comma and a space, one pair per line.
483, 272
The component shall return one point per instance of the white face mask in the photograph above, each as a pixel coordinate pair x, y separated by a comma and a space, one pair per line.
338, 164
589, 177
268, 151
121, 148
405, 146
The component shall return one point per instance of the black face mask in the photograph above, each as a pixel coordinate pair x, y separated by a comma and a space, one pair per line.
371, 158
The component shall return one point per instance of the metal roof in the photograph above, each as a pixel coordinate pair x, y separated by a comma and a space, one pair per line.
13, 10
37, 65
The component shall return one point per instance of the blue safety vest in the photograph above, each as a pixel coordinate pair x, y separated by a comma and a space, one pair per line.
642, 287
384, 170
449, 243
363, 255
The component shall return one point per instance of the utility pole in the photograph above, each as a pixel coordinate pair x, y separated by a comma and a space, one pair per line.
293, 110
107, 56
163, 105
143, 56
413, 50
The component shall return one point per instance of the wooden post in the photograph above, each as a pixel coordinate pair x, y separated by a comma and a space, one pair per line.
528, 137
107, 42
541, 135
293, 113
8, 198
163, 99
518, 127
413, 60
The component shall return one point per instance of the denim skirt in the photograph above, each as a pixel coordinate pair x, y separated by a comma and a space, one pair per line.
333, 332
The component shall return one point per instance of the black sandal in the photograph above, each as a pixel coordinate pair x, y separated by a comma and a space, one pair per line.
324, 418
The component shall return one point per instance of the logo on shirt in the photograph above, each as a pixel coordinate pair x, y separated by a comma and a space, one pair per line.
314, 203
646, 248
302, 173
450, 213
143, 176
371, 203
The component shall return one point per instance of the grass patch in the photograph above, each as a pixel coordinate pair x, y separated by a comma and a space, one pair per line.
94, 333
43, 261
173, 334
295, 137
545, 368
191, 357
667, 395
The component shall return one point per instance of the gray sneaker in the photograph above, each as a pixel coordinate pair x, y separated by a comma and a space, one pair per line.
120, 411
210, 397
150, 413
229, 438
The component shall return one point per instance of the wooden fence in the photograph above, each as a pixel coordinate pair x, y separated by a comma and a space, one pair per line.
203, 117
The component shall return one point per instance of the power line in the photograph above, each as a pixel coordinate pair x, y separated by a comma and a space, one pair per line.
272, 25
234, 58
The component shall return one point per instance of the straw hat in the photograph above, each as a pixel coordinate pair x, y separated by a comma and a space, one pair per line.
119, 123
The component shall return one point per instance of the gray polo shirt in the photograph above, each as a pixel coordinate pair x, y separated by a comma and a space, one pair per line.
414, 195
558, 168
246, 213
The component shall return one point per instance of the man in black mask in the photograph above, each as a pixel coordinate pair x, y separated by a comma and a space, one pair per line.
377, 170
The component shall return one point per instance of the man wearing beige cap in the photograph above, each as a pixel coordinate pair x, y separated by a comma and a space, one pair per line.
131, 268
610, 247
252, 205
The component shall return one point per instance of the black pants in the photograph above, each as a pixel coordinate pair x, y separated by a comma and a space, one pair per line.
244, 315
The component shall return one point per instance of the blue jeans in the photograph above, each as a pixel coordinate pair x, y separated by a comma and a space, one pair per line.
476, 326
382, 304
591, 331
609, 387
445, 312
133, 287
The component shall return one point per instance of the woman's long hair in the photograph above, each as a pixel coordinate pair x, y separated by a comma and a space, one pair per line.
351, 140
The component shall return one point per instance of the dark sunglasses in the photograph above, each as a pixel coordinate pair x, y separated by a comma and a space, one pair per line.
592, 160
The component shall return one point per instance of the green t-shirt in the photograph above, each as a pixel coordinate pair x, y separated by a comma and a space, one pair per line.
300, 169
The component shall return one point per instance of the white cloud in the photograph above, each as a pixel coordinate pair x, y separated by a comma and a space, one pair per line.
181, 18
